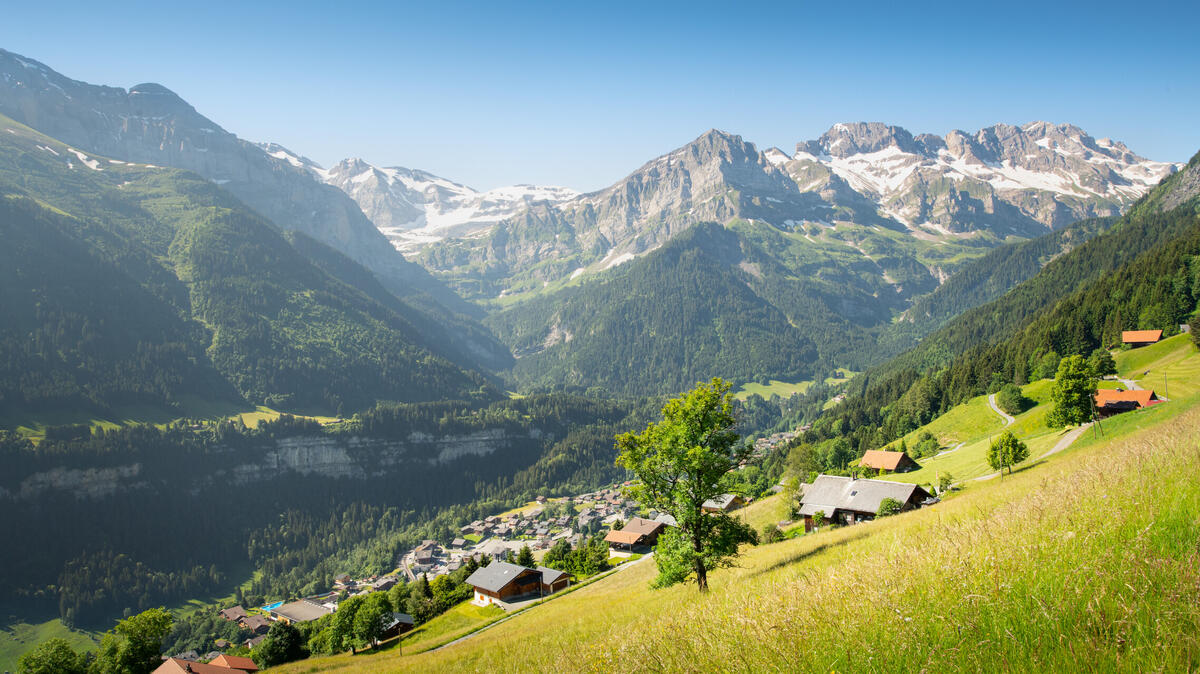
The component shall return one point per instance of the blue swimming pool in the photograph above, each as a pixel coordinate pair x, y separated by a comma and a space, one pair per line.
271, 607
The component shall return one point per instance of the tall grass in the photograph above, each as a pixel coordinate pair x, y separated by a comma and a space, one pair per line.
1089, 561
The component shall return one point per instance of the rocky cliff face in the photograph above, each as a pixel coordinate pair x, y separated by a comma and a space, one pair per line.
355, 458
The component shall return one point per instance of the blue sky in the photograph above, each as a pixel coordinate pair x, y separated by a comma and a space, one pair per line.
581, 94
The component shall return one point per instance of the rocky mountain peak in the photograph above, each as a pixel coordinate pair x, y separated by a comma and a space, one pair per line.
847, 139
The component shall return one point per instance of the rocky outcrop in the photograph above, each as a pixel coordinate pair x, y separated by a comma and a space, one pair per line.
330, 456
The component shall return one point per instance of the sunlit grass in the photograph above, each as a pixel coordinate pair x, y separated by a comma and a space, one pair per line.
1088, 561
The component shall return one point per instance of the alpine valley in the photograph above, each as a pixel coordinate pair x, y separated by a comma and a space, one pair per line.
229, 373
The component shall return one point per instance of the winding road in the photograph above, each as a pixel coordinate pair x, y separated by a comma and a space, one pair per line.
1008, 420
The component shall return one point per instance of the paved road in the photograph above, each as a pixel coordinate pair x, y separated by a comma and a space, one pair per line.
1130, 385
514, 615
1008, 420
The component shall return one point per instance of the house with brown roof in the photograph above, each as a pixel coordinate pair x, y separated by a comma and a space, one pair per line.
891, 462
256, 624
234, 662
1115, 401
233, 613
1136, 338
637, 532
845, 500
181, 666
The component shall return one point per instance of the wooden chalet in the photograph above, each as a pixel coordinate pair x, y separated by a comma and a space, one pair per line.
891, 462
234, 662
1116, 401
845, 500
637, 532
1136, 338
723, 503
397, 624
233, 613
256, 624
502, 582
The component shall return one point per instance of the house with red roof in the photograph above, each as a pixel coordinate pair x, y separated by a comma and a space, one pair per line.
1136, 338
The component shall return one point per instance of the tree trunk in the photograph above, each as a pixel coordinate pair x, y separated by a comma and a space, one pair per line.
701, 572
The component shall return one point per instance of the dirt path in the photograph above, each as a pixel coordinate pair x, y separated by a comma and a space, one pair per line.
1063, 442
1008, 420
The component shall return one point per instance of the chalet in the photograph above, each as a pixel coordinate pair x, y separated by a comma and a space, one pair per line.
256, 624
181, 666
458, 543
398, 624
637, 532
723, 503
1115, 401
501, 582
299, 612
342, 579
253, 642
845, 500
233, 614
1136, 338
892, 462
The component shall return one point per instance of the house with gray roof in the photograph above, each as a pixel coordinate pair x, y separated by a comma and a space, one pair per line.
501, 582
845, 500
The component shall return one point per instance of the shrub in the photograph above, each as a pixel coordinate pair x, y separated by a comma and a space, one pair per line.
889, 506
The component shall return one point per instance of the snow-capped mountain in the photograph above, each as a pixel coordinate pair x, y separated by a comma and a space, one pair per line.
413, 207
998, 182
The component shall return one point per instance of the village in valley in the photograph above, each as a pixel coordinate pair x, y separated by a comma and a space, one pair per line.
498, 559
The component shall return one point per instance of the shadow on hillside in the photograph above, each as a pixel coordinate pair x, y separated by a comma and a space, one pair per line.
801, 556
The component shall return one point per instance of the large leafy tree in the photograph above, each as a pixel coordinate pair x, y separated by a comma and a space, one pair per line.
54, 656
284, 643
1006, 452
134, 646
1073, 394
681, 462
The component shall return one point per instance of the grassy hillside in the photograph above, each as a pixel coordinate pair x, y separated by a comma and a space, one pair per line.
1069, 565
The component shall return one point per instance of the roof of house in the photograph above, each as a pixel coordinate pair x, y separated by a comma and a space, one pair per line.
181, 666
1143, 397
720, 502
495, 576
642, 526
233, 613
253, 621
1141, 336
622, 537
828, 493
301, 611
885, 460
550, 576
234, 662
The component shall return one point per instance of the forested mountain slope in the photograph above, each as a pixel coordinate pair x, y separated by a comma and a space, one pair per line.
149, 124
164, 280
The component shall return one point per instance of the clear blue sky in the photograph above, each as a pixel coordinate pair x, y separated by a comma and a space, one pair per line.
580, 94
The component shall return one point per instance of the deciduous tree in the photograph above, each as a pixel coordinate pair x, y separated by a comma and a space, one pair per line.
134, 646
53, 656
1073, 394
681, 462
1006, 452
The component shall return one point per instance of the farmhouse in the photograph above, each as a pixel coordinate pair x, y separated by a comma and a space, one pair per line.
723, 503
637, 532
501, 582
1115, 401
256, 624
844, 500
1136, 338
398, 624
892, 462
232, 662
